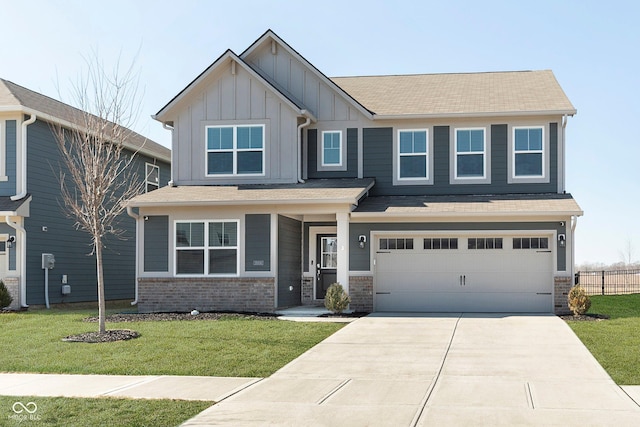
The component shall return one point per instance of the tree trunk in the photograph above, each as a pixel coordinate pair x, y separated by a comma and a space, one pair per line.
101, 303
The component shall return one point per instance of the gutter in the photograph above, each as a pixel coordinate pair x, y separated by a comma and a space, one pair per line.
22, 236
562, 177
299, 145
574, 223
167, 126
136, 217
480, 114
23, 180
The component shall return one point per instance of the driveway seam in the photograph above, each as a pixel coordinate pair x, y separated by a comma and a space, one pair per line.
334, 391
436, 378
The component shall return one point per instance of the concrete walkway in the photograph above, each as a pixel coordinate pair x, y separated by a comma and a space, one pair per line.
436, 370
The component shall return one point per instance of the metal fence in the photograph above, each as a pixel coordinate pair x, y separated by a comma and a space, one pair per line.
609, 282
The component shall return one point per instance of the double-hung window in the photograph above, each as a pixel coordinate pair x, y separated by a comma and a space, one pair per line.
235, 150
470, 154
528, 152
332, 148
413, 155
153, 177
206, 248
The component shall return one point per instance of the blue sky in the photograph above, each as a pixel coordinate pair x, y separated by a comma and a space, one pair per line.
592, 47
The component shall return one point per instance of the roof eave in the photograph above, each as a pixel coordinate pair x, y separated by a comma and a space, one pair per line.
431, 215
481, 114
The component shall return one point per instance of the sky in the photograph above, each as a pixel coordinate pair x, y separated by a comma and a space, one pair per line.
593, 48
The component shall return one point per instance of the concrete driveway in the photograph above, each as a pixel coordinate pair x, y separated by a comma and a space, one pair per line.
436, 370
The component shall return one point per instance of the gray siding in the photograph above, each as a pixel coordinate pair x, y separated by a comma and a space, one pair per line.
71, 247
359, 259
8, 188
257, 253
289, 262
11, 252
352, 156
156, 243
305, 243
378, 158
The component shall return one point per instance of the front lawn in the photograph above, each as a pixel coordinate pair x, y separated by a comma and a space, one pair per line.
615, 343
229, 347
70, 412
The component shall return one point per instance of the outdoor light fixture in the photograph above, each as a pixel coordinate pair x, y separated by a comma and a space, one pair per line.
362, 239
10, 241
562, 240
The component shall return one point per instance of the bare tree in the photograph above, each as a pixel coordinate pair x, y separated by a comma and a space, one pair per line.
98, 176
628, 253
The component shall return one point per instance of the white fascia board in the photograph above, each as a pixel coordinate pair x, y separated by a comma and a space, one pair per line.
463, 216
472, 115
303, 202
344, 94
66, 124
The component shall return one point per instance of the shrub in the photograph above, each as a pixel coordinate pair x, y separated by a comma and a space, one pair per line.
336, 300
579, 301
5, 297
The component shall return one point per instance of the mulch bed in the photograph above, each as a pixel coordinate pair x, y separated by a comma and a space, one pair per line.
109, 336
166, 317
585, 318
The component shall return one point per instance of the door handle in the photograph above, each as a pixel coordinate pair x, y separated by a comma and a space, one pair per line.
464, 280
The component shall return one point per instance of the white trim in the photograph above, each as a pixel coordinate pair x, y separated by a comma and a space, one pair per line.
234, 150
486, 153
321, 165
525, 179
147, 174
397, 179
3, 150
313, 256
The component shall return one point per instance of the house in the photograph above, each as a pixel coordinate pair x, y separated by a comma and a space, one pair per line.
32, 220
432, 193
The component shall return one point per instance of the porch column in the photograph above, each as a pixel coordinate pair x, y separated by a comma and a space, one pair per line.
342, 274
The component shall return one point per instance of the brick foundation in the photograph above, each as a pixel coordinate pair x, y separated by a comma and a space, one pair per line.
13, 286
206, 294
561, 286
361, 293
307, 291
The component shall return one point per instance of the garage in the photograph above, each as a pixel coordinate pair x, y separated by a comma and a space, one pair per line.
496, 272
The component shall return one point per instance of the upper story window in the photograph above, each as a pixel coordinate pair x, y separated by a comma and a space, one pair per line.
332, 148
528, 152
470, 153
206, 248
413, 157
235, 150
153, 177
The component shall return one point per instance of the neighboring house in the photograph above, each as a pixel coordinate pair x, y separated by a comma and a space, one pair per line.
435, 192
32, 220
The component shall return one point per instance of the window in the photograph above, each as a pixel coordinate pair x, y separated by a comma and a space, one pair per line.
413, 154
530, 243
528, 152
484, 243
441, 243
470, 153
153, 177
401, 244
207, 247
332, 148
235, 150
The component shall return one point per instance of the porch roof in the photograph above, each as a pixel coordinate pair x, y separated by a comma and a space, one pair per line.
547, 204
313, 191
10, 207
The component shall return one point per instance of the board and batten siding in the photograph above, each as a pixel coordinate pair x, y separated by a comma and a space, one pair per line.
9, 127
289, 262
71, 247
257, 245
359, 259
156, 243
235, 99
378, 160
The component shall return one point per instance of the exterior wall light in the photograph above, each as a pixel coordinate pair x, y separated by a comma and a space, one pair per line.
362, 239
562, 240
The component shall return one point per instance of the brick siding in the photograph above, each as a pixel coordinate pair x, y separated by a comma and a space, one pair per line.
307, 291
245, 294
361, 293
13, 286
562, 285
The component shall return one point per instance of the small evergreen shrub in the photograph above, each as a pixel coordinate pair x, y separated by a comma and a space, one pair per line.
5, 297
579, 301
336, 300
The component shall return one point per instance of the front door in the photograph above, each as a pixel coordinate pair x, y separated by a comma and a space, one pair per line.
326, 264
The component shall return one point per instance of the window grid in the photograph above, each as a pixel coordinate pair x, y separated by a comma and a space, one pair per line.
153, 177
530, 243
470, 149
235, 150
396, 244
528, 152
206, 248
484, 243
331, 148
413, 154
440, 243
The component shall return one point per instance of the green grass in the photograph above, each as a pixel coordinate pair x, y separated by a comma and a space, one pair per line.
31, 342
615, 343
62, 411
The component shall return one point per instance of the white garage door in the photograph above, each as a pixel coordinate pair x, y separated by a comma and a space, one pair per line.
491, 273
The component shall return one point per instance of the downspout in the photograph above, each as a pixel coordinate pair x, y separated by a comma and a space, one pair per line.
168, 127
22, 239
23, 189
562, 188
300, 127
136, 217
574, 222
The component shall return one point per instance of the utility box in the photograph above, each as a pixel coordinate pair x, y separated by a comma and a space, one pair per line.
66, 289
48, 261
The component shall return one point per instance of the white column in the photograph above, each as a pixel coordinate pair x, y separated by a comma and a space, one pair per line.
342, 219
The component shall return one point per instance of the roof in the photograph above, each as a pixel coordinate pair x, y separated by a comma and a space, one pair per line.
323, 191
16, 97
15, 207
547, 204
495, 93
